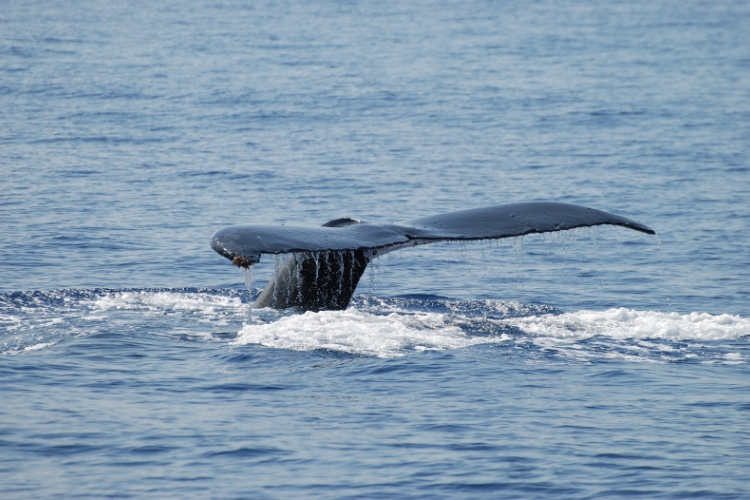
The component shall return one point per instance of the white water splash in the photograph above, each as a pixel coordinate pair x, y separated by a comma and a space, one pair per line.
378, 327
630, 324
167, 300
398, 333
356, 332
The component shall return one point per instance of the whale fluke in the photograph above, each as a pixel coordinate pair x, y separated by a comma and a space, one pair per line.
328, 261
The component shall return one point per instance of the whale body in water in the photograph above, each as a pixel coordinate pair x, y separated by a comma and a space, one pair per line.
326, 262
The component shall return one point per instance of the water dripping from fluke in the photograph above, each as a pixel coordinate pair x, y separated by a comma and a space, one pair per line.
324, 264
247, 274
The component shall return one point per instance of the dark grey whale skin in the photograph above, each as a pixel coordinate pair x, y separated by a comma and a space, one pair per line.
328, 261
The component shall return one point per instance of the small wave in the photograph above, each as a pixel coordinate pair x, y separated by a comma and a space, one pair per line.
40, 345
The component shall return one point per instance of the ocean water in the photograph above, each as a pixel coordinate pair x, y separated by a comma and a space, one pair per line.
594, 363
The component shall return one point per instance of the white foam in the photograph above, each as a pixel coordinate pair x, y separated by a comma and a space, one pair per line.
387, 328
397, 334
36, 347
160, 301
10, 323
630, 324
362, 333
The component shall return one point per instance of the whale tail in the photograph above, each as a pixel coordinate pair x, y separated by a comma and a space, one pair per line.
326, 263
315, 281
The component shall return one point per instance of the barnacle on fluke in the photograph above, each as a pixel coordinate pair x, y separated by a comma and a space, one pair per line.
240, 261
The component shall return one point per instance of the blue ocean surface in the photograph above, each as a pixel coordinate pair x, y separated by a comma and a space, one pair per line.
591, 363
